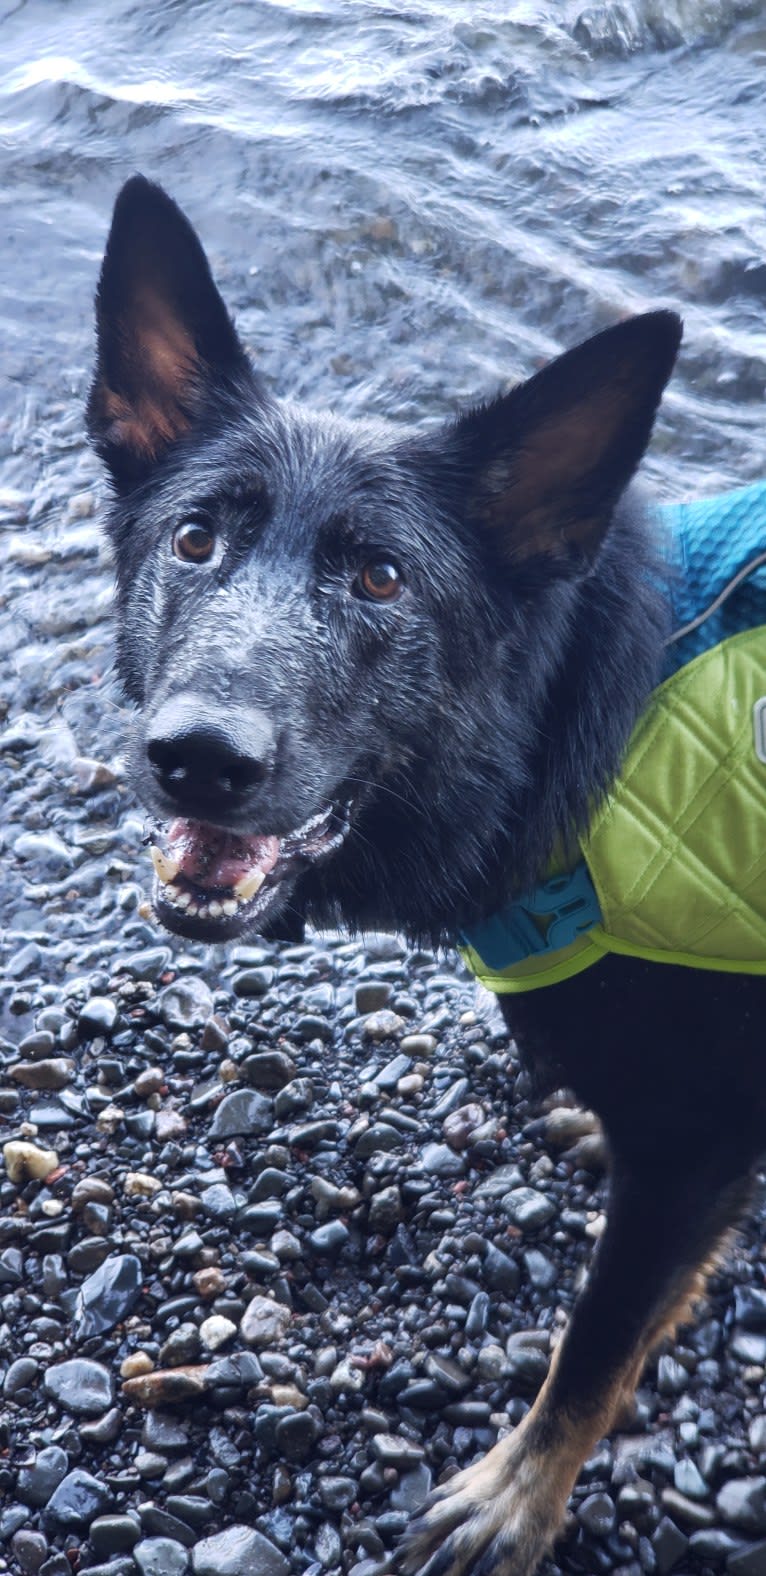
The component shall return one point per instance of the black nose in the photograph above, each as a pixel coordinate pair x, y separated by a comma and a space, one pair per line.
207, 758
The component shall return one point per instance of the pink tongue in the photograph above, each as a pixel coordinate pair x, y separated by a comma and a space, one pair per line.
212, 858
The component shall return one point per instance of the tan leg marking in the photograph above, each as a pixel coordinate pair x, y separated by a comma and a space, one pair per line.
500, 1516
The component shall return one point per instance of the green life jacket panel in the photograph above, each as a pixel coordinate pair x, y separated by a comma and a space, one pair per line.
675, 858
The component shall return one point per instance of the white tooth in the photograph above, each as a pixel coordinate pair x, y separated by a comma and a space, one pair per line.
203, 911
192, 909
167, 869
215, 910
181, 899
230, 906
249, 885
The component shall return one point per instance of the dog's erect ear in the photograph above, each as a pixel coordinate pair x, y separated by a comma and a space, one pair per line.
163, 333
547, 462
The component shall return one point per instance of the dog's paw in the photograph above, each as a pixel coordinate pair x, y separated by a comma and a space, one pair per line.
497, 1518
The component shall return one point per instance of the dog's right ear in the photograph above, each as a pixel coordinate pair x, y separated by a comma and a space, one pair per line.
163, 334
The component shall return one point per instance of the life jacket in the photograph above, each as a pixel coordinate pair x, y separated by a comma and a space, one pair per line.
673, 864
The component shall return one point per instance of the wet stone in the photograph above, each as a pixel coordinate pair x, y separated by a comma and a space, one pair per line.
540, 1269
742, 1503
441, 1161
113, 1534
38, 1045
11, 1520
500, 1272
713, 1546
80, 1386
337, 1492
748, 1347
103, 1429
412, 1489
379, 1137
219, 1201
181, 1346
748, 1562
294, 1097
391, 1450
270, 1183
328, 1547
268, 1069
161, 1557
238, 1551
87, 1255
29, 1550
54, 1072
383, 1025
253, 982
385, 1209
672, 1377
668, 1543
329, 1238
687, 1513
158, 1523
21, 1374
310, 1026
25, 1161
167, 1386
689, 1480
388, 1077
38, 1479
242, 1112
11, 1267
372, 996
147, 964
597, 1515
750, 1307
107, 1296
296, 1435
526, 1369
499, 1182
164, 1432
77, 1500
528, 1208
98, 1016
264, 1321
186, 1004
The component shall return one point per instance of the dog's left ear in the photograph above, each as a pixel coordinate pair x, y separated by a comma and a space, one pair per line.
546, 463
163, 333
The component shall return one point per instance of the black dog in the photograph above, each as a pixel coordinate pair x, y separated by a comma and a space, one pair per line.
380, 677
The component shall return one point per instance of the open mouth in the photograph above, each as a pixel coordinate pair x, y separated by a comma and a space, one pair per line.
213, 885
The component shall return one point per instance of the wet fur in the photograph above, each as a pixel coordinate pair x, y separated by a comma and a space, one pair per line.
473, 722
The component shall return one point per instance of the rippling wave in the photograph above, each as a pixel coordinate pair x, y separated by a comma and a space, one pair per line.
408, 204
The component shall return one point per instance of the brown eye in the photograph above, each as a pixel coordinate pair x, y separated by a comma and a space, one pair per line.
193, 542
380, 581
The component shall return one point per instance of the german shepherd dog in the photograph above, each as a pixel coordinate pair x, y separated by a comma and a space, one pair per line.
378, 674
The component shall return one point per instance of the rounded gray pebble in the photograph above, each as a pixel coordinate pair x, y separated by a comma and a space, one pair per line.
80, 1386
161, 1557
244, 1111
238, 1551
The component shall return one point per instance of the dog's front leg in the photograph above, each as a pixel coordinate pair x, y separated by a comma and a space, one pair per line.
500, 1516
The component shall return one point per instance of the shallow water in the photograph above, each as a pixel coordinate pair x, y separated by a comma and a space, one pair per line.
407, 205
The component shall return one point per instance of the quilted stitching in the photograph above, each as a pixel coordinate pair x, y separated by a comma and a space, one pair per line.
709, 540
678, 854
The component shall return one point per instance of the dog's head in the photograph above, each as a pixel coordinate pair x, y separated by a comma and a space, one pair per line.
343, 639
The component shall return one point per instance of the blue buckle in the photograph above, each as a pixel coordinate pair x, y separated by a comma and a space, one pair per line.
553, 915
